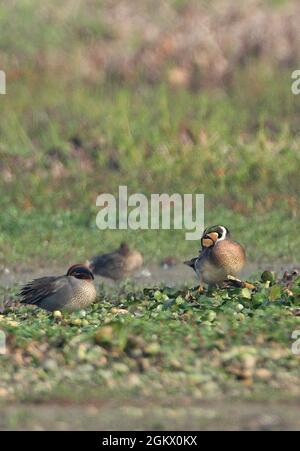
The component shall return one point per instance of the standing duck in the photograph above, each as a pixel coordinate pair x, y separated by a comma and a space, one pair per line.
118, 264
219, 256
73, 291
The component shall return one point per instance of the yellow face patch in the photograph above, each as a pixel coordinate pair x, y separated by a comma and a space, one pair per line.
207, 242
213, 235
209, 239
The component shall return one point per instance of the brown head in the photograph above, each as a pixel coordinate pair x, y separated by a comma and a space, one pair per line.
124, 249
80, 272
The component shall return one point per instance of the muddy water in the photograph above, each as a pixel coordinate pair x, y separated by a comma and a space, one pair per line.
152, 274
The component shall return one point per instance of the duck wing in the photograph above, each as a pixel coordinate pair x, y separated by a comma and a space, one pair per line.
38, 289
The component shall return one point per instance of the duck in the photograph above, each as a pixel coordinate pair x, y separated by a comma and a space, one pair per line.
117, 265
70, 292
219, 257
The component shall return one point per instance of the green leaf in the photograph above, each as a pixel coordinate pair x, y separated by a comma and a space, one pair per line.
246, 293
268, 276
275, 293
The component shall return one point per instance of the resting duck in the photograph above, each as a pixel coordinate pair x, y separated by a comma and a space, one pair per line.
118, 264
73, 291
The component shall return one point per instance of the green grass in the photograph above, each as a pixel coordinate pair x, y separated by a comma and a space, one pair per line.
243, 157
70, 130
33, 238
156, 342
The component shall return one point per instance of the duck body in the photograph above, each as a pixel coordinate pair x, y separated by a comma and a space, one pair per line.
117, 265
219, 256
71, 292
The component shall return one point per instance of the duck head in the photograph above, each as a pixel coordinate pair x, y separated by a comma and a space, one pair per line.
80, 272
124, 249
213, 234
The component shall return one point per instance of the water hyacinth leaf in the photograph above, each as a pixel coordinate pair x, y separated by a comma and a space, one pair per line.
158, 295
258, 298
275, 293
268, 276
179, 300
211, 315
246, 293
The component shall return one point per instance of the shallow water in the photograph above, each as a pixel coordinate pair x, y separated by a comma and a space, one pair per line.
151, 275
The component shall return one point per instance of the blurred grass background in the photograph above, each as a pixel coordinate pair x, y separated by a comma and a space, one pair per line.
171, 96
